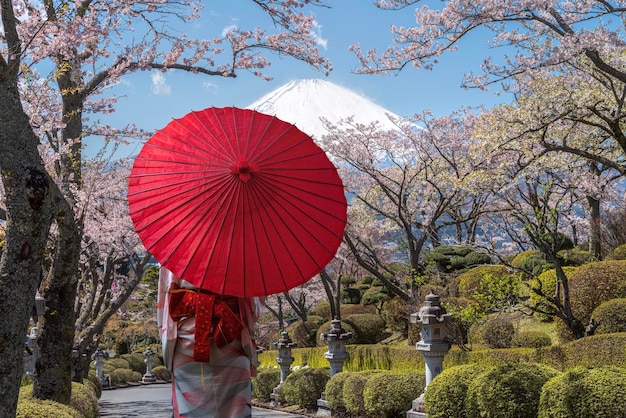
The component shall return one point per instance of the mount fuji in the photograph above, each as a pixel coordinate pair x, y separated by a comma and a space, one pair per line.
305, 102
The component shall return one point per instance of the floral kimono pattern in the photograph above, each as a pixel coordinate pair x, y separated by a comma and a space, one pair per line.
208, 348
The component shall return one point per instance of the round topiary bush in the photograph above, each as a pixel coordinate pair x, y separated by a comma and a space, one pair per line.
532, 339
162, 373
577, 257
368, 328
115, 363
304, 334
618, 253
584, 392
36, 408
84, 400
396, 313
334, 391
136, 362
264, 383
124, 376
611, 316
95, 380
445, 395
532, 262
390, 394
30, 407
489, 285
594, 283
495, 332
353, 392
305, 386
511, 390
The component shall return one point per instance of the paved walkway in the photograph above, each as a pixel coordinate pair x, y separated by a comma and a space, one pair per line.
154, 401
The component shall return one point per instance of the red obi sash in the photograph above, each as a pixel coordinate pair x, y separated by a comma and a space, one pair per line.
215, 314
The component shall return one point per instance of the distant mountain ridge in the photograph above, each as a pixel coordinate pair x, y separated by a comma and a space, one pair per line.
304, 102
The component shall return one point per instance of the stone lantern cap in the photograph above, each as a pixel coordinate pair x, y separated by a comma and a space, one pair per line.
285, 341
336, 332
148, 352
431, 313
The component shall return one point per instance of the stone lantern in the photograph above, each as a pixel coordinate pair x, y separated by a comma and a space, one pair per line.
433, 346
336, 354
284, 360
336, 337
149, 377
98, 356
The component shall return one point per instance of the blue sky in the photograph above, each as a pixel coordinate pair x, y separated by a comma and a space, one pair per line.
153, 99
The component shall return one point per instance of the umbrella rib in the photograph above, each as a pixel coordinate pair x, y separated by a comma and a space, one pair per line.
298, 209
185, 141
265, 208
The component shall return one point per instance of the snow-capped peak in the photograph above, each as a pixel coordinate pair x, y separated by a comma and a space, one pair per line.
305, 102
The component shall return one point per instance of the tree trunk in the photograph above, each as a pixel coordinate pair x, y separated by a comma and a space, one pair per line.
53, 370
595, 246
29, 215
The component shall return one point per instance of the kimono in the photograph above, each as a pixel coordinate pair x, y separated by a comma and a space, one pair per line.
208, 348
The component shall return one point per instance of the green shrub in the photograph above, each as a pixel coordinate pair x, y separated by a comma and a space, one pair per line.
322, 309
618, 253
305, 386
531, 339
390, 394
29, 407
95, 380
36, 408
334, 391
136, 362
84, 400
353, 389
162, 373
511, 390
449, 258
376, 296
445, 395
611, 315
533, 262
594, 283
577, 257
264, 383
489, 285
124, 376
304, 334
396, 313
368, 328
495, 332
584, 392
115, 363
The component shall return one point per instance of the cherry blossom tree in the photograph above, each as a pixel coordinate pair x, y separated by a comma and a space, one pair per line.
405, 189
72, 53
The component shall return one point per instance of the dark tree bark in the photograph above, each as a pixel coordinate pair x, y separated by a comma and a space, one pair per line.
29, 210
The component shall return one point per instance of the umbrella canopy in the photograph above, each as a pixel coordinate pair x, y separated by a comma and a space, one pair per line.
237, 202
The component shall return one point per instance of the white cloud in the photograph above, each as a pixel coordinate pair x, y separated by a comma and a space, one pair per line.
317, 34
159, 84
208, 86
228, 29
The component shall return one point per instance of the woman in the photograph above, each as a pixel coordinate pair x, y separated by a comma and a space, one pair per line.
208, 348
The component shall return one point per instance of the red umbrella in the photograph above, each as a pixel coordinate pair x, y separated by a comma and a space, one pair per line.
237, 202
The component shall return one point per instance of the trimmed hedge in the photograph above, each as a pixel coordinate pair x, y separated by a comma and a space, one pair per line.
445, 396
511, 390
583, 392
611, 315
353, 389
264, 383
305, 386
83, 404
334, 391
390, 394
532, 339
